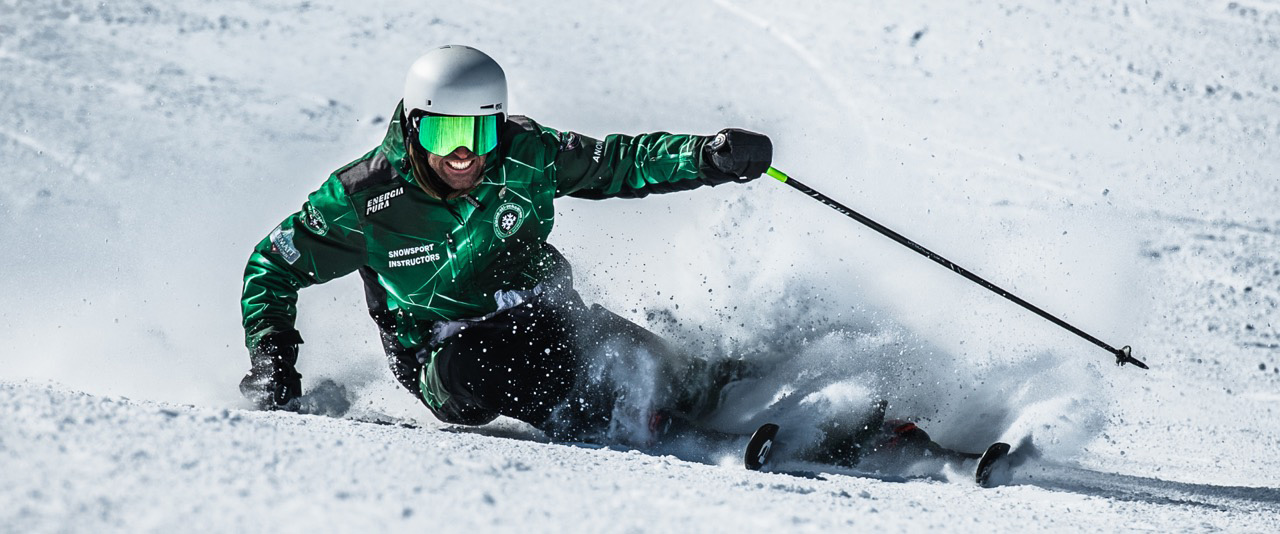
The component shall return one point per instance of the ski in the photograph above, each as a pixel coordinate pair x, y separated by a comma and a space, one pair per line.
987, 464
759, 447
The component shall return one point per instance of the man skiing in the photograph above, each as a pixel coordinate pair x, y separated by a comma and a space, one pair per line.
447, 223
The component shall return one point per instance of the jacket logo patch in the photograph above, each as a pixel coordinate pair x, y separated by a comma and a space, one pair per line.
314, 220
382, 201
282, 244
569, 141
508, 219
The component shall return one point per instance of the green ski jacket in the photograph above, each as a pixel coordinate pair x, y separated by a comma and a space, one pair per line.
445, 259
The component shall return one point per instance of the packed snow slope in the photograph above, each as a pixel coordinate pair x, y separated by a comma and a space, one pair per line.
1113, 162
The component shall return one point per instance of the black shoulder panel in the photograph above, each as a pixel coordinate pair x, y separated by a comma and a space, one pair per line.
516, 125
366, 173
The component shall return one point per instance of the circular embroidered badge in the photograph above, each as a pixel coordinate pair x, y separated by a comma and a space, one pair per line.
508, 219
314, 220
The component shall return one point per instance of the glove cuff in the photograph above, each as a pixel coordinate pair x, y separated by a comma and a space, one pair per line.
280, 338
278, 343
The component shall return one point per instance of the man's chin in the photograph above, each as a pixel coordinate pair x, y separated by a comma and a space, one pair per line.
462, 183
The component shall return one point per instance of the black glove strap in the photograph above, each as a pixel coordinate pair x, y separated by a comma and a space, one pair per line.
739, 154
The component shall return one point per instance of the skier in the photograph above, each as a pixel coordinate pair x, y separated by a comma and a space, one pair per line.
447, 223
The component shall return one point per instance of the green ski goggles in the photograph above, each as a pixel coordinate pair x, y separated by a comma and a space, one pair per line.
442, 134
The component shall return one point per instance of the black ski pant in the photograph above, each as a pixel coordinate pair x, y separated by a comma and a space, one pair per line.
521, 363
552, 362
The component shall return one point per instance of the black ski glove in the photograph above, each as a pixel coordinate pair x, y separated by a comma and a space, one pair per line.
737, 155
273, 382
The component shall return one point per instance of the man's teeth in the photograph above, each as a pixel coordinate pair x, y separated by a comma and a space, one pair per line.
460, 165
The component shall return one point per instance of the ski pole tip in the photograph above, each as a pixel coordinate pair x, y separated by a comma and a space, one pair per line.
1125, 355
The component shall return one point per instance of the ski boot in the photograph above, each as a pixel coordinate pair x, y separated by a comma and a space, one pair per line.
708, 382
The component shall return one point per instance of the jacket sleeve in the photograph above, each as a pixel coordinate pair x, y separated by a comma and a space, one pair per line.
625, 166
320, 242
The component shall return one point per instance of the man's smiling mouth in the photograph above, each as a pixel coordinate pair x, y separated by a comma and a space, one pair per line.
460, 165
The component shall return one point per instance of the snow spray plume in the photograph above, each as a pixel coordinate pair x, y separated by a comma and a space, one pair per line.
836, 376
618, 388
826, 355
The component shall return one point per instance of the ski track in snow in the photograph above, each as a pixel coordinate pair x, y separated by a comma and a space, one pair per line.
64, 160
1114, 161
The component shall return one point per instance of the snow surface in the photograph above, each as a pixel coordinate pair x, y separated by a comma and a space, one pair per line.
1113, 162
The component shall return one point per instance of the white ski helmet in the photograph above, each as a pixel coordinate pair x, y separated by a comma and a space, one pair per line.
455, 80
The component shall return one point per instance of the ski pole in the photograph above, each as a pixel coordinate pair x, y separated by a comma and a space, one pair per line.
1123, 355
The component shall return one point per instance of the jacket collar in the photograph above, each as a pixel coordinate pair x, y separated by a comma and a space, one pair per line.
393, 148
